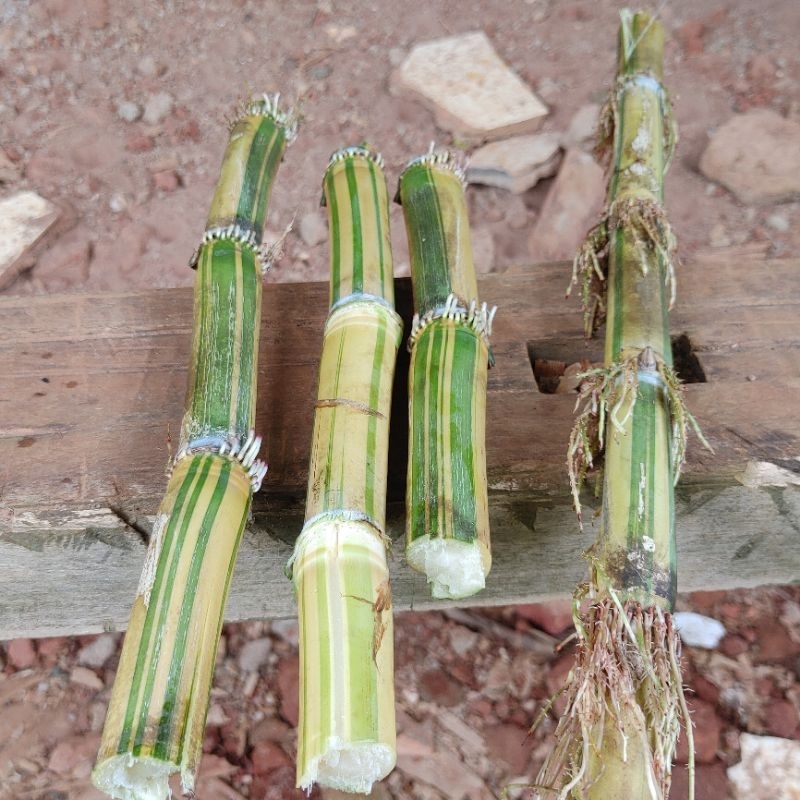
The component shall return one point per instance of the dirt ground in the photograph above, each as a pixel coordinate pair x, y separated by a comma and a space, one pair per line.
116, 113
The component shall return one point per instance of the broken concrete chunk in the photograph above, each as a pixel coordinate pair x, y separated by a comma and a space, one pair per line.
571, 207
769, 769
515, 164
756, 156
471, 91
582, 129
25, 218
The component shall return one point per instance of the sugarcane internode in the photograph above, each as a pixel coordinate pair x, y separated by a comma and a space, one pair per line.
346, 736
447, 518
157, 712
625, 703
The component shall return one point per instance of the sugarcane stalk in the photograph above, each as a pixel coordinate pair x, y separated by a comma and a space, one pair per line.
625, 699
346, 737
447, 519
157, 712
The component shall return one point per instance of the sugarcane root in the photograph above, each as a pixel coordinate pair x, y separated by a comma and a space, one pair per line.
625, 707
609, 394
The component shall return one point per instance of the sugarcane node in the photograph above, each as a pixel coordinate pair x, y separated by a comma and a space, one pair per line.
266, 105
589, 268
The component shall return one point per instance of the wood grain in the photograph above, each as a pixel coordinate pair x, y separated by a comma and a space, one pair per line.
93, 385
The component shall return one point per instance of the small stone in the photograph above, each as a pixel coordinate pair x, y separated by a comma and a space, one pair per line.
471, 91
582, 127
53, 646
254, 654
570, 381
312, 229
8, 169
83, 676
21, 654
436, 687
697, 630
157, 108
515, 164
553, 617
778, 222
25, 218
462, 639
216, 716
718, 236
139, 143
63, 266
129, 111
97, 653
266, 757
444, 771
781, 719
756, 156
147, 66
769, 769
166, 180
340, 33
761, 69
118, 203
571, 207
286, 629
511, 744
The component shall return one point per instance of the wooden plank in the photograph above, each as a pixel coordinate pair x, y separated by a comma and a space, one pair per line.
93, 385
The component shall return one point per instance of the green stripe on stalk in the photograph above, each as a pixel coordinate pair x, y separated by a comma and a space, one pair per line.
346, 737
157, 713
447, 519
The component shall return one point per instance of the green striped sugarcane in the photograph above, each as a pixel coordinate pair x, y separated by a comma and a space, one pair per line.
447, 518
625, 699
347, 724
156, 716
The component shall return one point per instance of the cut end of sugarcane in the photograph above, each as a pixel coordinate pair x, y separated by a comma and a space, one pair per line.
443, 159
348, 766
356, 151
455, 569
268, 105
129, 777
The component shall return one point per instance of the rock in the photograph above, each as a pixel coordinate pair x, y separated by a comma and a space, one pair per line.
571, 381
254, 654
312, 229
51, 648
582, 128
773, 644
21, 654
97, 653
462, 639
436, 687
515, 164
691, 35
267, 757
710, 782
778, 222
139, 143
511, 744
83, 676
128, 111
8, 169
158, 107
25, 218
769, 769
286, 629
118, 203
553, 617
469, 88
74, 756
781, 719
444, 771
166, 180
756, 156
697, 630
571, 207
147, 66
65, 265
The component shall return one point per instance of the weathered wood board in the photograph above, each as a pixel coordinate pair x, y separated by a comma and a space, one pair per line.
93, 385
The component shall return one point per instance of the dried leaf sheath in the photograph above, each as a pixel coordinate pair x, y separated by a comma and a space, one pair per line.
346, 736
447, 529
158, 707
